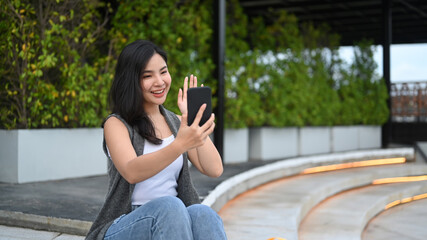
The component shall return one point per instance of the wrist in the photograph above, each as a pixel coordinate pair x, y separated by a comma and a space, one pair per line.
178, 146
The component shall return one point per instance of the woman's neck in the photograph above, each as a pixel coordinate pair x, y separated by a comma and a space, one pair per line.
155, 115
159, 122
153, 110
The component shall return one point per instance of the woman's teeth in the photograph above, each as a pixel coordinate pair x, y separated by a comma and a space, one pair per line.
158, 92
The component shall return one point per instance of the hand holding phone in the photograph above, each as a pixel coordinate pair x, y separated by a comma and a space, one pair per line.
196, 97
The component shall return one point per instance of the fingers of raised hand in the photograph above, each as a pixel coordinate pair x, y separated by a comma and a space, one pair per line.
185, 87
208, 128
209, 124
182, 104
193, 81
179, 96
196, 136
199, 115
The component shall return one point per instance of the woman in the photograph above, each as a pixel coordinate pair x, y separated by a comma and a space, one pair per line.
150, 191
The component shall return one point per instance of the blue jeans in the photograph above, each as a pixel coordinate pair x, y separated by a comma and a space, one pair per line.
167, 218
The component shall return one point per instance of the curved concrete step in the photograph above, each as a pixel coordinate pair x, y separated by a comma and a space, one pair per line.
411, 219
245, 181
344, 216
276, 209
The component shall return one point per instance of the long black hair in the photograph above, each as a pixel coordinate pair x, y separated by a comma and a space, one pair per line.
126, 95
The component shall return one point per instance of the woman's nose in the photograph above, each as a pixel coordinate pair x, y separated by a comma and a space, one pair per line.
159, 80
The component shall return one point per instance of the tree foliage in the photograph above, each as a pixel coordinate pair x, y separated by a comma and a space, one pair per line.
58, 60
286, 73
53, 74
182, 28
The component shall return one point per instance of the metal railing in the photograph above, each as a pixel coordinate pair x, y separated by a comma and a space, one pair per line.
409, 102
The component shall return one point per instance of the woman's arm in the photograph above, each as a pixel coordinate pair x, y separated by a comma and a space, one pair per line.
135, 169
139, 168
205, 157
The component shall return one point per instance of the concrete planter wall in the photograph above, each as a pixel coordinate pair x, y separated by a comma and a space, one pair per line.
236, 143
50, 154
344, 138
270, 143
314, 140
369, 137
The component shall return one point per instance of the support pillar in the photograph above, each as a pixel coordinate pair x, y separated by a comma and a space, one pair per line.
219, 60
387, 27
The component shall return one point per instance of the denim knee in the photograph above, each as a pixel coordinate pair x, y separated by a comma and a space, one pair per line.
206, 223
171, 203
162, 218
173, 207
200, 211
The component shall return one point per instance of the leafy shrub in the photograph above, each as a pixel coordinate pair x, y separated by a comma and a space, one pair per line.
362, 92
243, 106
182, 28
58, 64
52, 73
291, 76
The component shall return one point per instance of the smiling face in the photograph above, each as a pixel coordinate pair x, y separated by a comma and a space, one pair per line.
155, 82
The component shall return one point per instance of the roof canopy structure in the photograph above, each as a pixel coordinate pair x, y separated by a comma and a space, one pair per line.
353, 19
385, 22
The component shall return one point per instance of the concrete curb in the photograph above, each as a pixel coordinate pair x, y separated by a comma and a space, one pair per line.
243, 182
53, 224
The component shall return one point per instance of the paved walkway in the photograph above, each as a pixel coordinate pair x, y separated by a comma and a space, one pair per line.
14, 233
74, 202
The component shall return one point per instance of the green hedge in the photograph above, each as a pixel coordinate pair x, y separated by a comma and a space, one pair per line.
290, 74
58, 63
182, 28
53, 73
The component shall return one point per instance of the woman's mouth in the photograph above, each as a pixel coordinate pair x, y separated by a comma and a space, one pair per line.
158, 93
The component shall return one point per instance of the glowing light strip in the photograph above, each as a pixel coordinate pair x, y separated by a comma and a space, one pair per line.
405, 200
400, 179
366, 163
421, 196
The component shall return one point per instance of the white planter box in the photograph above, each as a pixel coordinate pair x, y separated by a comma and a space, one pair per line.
50, 154
344, 138
236, 147
269, 143
369, 137
314, 140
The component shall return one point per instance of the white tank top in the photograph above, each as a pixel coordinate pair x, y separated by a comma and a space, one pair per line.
163, 183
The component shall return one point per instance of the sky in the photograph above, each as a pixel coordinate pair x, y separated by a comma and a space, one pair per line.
408, 61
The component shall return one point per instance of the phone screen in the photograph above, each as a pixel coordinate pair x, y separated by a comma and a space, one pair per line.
196, 97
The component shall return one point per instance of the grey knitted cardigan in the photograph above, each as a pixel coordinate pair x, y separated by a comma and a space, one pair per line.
118, 200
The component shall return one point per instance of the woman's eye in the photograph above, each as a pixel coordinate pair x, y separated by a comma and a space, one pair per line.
146, 76
164, 72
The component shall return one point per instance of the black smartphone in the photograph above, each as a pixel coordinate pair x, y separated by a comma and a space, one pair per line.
196, 97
